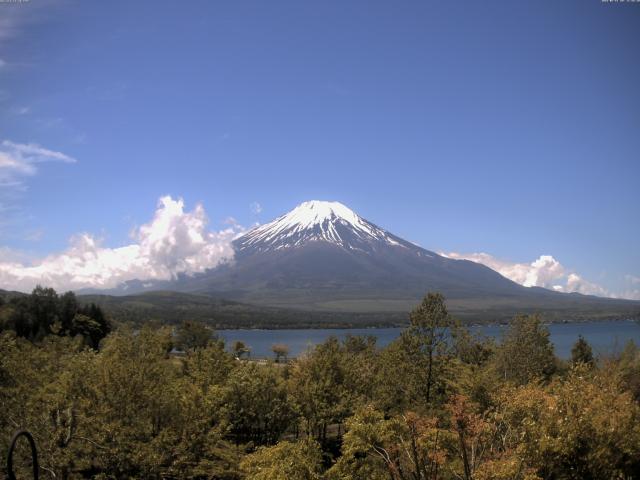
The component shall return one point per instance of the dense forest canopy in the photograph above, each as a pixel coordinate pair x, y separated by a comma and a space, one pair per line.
428, 406
44, 312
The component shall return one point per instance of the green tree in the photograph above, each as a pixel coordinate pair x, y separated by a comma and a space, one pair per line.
526, 353
317, 385
281, 351
44, 312
240, 348
68, 308
581, 352
429, 326
94, 312
406, 446
360, 365
628, 366
256, 405
208, 367
285, 461
581, 427
192, 335
469, 348
400, 376
89, 329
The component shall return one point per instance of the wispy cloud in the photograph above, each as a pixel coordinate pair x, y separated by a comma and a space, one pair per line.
16, 16
545, 272
256, 208
174, 241
20, 160
21, 110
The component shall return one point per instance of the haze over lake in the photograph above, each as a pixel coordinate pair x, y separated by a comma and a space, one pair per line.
604, 337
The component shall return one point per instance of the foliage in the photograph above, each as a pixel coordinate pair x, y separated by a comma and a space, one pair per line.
284, 461
628, 366
44, 312
317, 385
239, 349
255, 404
581, 352
582, 427
438, 403
281, 351
192, 335
405, 446
526, 353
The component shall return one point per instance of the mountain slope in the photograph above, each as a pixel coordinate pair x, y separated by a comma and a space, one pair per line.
322, 256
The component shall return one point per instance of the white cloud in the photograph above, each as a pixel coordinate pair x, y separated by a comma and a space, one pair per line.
545, 272
10, 255
174, 241
575, 283
256, 208
18, 160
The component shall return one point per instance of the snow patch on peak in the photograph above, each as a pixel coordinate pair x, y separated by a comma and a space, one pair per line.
316, 220
316, 212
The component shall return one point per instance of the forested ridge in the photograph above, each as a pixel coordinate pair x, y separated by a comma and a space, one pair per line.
437, 403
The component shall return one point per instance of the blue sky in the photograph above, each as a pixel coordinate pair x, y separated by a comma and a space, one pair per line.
510, 128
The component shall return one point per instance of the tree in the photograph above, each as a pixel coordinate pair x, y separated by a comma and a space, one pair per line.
526, 353
255, 404
94, 312
581, 427
68, 308
285, 461
149, 420
87, 328
469, 348
192, 335
581, 352
400, 376
317, 385
280, 350
239, 349
44, 312
402, 447
208, 367
628, 364
429, 324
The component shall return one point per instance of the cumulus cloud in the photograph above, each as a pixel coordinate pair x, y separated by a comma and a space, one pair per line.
174, 241
542, 272
545, 272
19, 160
575, 283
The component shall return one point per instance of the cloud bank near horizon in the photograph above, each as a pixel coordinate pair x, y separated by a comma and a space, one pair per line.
546, 272
174, 241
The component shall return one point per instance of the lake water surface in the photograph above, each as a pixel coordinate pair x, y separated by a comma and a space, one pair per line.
604, 337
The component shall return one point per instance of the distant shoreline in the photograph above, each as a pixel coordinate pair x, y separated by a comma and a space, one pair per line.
470, 325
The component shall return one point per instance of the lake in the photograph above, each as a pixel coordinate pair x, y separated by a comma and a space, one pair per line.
604, 337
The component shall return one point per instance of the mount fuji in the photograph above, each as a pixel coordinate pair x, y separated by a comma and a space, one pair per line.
323, 257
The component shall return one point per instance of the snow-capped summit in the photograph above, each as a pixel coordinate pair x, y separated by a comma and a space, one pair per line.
318, 221
322, 258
